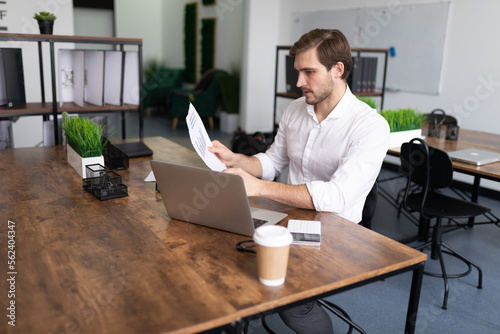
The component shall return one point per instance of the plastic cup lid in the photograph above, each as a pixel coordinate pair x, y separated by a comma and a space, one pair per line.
272, 236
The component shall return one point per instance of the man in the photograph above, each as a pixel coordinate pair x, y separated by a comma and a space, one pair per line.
333, 143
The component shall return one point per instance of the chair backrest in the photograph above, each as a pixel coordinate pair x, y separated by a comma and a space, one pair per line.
207, 79
369, 207
425, 166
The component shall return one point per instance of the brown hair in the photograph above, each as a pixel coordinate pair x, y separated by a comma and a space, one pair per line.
332, 47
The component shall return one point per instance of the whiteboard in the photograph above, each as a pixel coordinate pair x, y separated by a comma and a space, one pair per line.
417, 33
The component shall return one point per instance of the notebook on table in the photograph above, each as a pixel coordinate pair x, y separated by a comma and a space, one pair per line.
135, 149
209, 198
474, 156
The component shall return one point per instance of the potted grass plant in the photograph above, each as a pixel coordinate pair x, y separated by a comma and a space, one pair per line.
45, 22
405, 124
84, 142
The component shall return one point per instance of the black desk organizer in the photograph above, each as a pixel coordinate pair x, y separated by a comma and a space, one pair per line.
104, 184
114, 158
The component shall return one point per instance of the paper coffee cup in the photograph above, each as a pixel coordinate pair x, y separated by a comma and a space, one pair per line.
272, 246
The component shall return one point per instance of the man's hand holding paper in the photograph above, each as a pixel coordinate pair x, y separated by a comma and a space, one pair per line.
200, 140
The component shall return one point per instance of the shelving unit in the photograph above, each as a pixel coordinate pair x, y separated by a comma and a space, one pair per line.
356, 51
46, 109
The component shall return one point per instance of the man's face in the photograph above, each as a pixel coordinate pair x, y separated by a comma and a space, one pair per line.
315, 81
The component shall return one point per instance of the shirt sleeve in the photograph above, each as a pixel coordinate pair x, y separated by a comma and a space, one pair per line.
357, 172
268, 170
275, 159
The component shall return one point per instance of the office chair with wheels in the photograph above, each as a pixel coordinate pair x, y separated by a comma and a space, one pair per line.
431, 169
366, 221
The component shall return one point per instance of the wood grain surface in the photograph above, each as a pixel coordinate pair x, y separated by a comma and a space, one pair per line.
466, 139
122, 266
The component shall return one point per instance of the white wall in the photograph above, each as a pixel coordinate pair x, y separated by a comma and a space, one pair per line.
94, 22
229, 32
471, 77
257, 86
470, 81
19, 19
173, 27
144, 19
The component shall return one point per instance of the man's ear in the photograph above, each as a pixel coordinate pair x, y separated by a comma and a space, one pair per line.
337, 70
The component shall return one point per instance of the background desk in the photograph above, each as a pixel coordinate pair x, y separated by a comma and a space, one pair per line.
468, 139
120, 266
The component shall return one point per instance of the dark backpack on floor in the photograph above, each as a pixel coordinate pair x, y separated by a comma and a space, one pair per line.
248, 144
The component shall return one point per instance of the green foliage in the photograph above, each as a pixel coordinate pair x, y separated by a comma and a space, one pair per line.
369, 101
190, 38
207, 44
150, 68
44, 16
83, 135
403, 119
230, 90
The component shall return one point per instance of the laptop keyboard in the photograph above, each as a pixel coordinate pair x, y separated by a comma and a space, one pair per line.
258, 222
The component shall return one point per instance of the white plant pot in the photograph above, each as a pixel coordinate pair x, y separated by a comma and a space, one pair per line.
228, 122
400, 137
78, 163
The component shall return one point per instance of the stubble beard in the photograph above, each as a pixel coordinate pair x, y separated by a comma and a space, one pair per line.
324, 92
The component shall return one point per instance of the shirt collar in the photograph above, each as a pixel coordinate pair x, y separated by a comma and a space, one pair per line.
342, 107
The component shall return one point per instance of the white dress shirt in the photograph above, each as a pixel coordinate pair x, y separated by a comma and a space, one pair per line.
338, 159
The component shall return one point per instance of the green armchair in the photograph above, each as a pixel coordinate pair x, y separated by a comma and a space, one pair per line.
158, 87
205, 97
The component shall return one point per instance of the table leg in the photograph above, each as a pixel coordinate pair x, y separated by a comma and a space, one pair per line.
474, 196
124, 135
423, 229
416, 285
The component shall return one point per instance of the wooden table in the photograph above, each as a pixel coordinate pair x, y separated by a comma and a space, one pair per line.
467, 139
122, 266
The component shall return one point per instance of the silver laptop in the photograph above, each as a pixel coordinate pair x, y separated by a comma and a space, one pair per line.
209, 198
474, 156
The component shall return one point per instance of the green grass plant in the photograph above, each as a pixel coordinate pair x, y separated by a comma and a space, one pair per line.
403, 119
83, 135
369, 101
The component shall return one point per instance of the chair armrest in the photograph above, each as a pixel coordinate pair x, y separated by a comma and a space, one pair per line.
186, 93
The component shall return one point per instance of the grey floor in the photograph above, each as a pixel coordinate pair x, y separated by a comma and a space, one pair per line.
381, 306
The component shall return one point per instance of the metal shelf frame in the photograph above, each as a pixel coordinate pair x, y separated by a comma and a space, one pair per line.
46, 109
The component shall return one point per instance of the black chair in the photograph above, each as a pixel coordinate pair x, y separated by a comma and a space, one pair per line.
366, 221
431, 170
369, 207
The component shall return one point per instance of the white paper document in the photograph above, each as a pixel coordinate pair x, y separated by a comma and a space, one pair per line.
150, 178
201, 141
